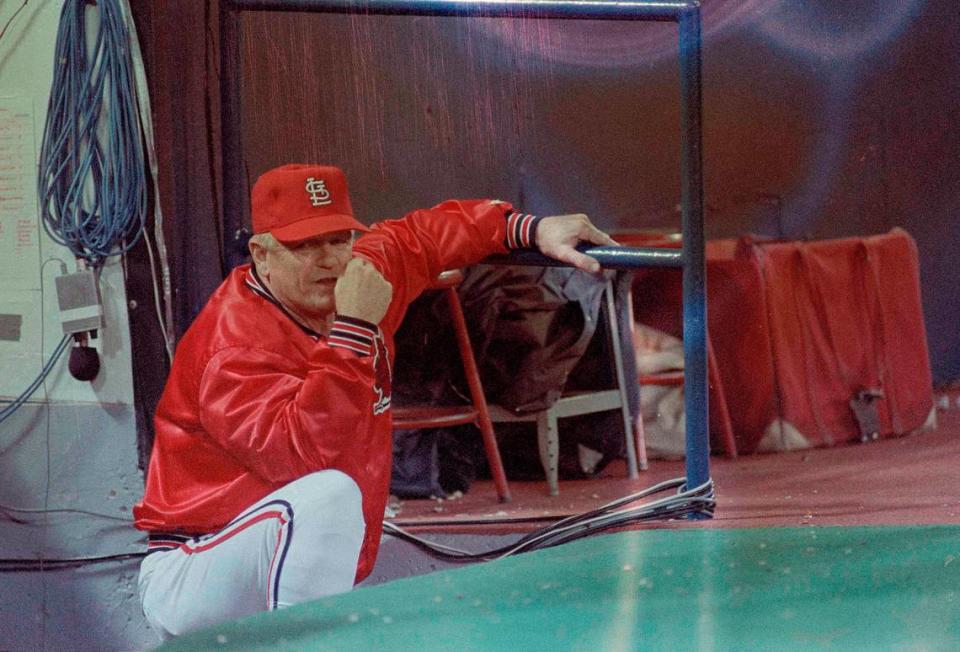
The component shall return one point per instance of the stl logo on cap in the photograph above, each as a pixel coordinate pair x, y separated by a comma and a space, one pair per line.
317, 190
277, 203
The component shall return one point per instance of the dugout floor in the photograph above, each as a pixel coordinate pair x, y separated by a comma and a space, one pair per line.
851, 548
908, 480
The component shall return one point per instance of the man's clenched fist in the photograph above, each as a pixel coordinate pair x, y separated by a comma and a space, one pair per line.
362, 292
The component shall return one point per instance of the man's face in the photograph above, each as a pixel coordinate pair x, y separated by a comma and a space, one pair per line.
302, 275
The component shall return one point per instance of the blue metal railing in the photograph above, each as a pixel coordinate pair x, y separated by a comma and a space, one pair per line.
579, 9
690, 258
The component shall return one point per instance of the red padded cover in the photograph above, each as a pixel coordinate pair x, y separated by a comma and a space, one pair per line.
799, 328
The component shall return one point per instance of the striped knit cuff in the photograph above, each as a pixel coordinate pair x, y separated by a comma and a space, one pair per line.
521, 230
352, 333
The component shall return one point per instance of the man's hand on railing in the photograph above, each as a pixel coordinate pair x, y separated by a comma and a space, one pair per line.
557, 235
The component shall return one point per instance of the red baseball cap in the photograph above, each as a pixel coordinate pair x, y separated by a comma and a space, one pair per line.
296, 202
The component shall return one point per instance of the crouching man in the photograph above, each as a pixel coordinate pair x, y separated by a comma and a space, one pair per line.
270, 468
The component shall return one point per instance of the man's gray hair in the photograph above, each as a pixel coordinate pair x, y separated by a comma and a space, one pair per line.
265, 240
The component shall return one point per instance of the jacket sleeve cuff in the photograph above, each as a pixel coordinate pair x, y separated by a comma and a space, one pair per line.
521, 230
352, 333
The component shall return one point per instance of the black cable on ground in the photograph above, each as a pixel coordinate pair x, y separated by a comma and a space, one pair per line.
25, 565
699, 500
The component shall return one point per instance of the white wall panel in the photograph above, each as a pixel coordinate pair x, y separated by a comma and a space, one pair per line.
28, 257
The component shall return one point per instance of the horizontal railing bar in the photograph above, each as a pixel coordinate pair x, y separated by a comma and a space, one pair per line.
622, 258
579, 9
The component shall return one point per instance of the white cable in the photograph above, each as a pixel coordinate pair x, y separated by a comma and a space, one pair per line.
167, 339
144, 111
390, 527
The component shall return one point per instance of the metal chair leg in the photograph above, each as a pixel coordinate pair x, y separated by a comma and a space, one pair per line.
476, 394
612, 325
548, 441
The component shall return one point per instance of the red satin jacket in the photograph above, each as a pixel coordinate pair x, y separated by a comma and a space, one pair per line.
255, 400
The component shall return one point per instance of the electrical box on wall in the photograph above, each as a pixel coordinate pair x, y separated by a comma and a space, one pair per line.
81, 308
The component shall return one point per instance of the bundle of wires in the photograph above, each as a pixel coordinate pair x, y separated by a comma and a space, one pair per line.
615, 514
92, 176
14, 405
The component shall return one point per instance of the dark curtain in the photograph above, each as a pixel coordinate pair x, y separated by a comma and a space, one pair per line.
178, 39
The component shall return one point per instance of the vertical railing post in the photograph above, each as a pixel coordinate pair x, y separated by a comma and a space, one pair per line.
694, 266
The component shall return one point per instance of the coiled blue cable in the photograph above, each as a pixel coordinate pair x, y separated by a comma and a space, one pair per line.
92, 176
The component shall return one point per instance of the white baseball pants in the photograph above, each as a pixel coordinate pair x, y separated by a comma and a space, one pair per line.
299, 543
